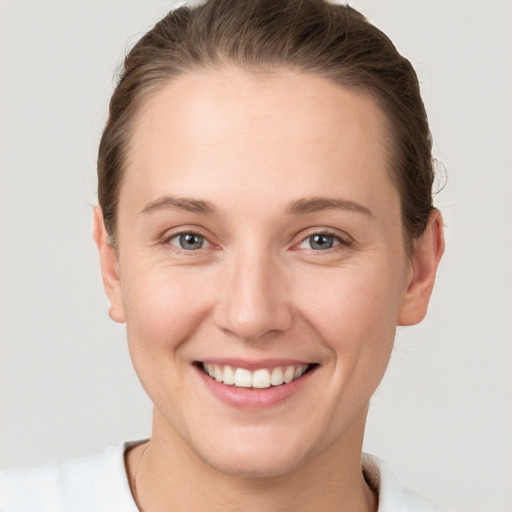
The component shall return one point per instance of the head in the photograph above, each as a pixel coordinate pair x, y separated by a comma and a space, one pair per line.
265, 202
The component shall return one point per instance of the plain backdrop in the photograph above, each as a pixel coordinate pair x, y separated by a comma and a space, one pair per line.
442, 417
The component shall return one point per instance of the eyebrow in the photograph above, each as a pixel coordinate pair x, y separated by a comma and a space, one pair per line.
317, 204
299, 207
181, 203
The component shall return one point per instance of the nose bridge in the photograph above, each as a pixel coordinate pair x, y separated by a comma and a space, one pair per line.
253, 300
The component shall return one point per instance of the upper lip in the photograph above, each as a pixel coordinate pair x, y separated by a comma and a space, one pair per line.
253, 364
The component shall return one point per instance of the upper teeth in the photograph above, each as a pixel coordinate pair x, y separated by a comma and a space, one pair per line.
261, 378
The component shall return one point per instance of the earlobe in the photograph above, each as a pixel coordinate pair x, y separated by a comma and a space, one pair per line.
109, 268
428, 250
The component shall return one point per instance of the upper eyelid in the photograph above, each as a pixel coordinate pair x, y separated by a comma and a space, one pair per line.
169, 234
176, 235
341, 235
341, 242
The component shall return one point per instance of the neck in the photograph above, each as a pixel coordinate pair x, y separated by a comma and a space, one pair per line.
170, 476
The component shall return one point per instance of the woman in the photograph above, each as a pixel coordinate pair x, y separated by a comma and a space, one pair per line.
265, 221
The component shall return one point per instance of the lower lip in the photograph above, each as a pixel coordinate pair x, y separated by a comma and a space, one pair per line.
251, 398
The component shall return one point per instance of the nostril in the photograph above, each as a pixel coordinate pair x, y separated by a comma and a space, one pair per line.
255, 326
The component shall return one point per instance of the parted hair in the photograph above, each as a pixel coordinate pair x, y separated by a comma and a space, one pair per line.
314, 36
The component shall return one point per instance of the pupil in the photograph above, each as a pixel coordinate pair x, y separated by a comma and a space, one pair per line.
191, 241
322, 242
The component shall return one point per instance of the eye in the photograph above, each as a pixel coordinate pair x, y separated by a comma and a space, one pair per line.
189, 241
320, 242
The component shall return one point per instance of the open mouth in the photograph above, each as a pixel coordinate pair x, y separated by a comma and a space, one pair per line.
261, 378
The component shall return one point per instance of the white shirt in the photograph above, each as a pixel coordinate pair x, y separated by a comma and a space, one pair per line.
99, 484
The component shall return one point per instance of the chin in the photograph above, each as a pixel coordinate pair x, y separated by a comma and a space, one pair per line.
259, 458
253, 467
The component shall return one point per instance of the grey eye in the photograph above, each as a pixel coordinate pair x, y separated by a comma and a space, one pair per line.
188, 241
320, 242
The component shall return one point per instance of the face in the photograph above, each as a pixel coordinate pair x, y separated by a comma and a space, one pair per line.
259, 242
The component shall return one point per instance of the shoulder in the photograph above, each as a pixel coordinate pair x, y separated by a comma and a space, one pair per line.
393, 497
90, 484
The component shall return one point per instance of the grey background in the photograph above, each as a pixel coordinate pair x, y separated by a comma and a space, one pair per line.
442, 417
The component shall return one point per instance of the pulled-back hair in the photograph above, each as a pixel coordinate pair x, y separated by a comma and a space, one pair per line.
314, 36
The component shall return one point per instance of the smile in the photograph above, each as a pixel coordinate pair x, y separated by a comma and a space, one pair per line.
260, 378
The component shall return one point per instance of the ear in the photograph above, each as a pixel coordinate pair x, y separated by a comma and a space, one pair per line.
428, 250
109, 268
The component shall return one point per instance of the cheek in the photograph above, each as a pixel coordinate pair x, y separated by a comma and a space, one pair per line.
164, 307
355, 313
358, 303
163, 310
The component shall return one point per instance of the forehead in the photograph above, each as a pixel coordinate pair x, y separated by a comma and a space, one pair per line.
233, 130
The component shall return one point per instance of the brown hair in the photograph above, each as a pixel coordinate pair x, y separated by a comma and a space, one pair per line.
314, 36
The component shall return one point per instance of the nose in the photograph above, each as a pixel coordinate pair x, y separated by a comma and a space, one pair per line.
253, 302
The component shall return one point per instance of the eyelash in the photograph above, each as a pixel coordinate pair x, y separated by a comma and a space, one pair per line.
342, 242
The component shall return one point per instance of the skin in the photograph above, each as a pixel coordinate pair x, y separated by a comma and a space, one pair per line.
258, 289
